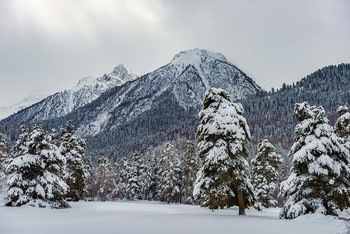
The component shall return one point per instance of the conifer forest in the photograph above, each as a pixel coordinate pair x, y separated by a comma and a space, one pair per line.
190, 117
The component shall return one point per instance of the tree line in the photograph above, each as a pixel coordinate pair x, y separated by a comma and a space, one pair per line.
48, 169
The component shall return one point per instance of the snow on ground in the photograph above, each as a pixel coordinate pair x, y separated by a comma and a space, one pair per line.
155, 217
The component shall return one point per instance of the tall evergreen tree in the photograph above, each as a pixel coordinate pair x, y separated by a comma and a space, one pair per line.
54, 137
153, 170
73, 150
146, 179
264, 173
169, 175
320, 174
189, 171
135, 171
34, 172
222, 180
122, 177
3, 158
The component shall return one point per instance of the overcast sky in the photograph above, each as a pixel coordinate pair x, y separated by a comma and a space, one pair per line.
47, 46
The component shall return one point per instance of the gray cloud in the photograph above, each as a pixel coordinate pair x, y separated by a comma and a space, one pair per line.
47, 46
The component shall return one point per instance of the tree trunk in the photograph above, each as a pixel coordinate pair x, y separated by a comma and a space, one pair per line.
240, 202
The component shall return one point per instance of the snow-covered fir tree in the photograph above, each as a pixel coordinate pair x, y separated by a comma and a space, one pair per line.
342, 126
223, 134
264, 173
146, 179
134, 174
189, 171
34, 172
54, 137
122, 177
105, 177
3, 158
282, 176
73, 150
169, 175
120, 190
320, 174
153, 169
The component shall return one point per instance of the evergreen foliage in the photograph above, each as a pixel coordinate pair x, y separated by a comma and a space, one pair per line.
73, 150
91, 188
122, 176
190, 168
146, 178
268, 115
264, 173
152, 182
34, 171
342, 126
223, 134
134, 178
319, 179
3, 158
54, 137
169, 175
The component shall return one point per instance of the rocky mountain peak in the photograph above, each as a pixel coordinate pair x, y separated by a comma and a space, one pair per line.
123, 73
196, 56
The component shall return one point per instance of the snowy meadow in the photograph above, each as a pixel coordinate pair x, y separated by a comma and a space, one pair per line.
156, 217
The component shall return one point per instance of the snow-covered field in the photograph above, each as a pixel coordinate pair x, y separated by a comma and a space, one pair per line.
155, 217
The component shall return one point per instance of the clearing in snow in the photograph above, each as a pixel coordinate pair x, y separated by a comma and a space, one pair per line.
154, 217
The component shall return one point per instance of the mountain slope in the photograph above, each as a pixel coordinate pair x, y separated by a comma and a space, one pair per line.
270, 115
62, 103
163, 105
26, 102
156, 105
173, 112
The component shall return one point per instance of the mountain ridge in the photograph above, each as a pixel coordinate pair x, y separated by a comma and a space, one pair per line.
22, 104
64, 102
154, 106
163, 105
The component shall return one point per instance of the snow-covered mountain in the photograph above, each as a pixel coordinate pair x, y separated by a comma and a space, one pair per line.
157, 103
147, 110
164, 104
26, 102
62, 103
186, 78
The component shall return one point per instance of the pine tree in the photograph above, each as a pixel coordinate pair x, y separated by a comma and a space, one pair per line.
34, 172
222, 180
169, 175
73, 150
154, 179
119, 180
342, 126
54, 137
189, 165
146, 180
282, 176
3, 158
122, 176
319, 179
134, 171
264, 173
105, 175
